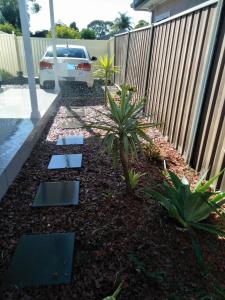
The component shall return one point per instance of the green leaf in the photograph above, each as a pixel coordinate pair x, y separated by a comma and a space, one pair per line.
209, 228
175, 179
199, 183
207, 185
197, 250
218, 199
126, 144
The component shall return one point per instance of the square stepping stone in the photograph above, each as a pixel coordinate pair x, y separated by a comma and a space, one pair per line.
65, 161
61, 193
71, 123
42, 259
70, 140
75, 111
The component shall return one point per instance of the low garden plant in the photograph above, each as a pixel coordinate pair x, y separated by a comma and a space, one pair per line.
127, 87
104, 70
124, 131
134, 178
151, 151
191, 208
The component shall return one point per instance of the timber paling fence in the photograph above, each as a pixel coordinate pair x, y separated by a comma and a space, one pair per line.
178, 65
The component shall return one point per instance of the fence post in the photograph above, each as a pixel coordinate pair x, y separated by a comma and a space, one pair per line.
114, 76
148, 66
200, 102
19, 72
127, 55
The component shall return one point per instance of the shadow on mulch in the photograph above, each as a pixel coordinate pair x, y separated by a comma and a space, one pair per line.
111, 227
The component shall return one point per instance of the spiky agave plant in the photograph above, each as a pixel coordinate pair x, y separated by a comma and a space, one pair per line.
124, 130
105, 70
192, 208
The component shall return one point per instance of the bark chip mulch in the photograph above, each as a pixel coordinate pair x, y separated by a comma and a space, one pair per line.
118, 237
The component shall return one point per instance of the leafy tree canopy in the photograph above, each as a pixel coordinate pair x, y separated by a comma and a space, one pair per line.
141, 23
9, 28
88, 34
123, 22
74, 26
9, 11
63, 31
40, 33
100, 27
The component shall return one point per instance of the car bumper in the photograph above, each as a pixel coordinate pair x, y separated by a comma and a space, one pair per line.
48, 75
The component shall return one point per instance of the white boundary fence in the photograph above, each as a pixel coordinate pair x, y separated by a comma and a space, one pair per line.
12, 57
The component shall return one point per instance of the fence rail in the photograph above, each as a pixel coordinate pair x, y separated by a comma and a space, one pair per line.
167, 63
12, 56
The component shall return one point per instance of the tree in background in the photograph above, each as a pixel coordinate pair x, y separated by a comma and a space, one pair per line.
141, 23
122, 23
9, 28
63, 31
40, 33
74, 26
100, 27
88, 34
9, 11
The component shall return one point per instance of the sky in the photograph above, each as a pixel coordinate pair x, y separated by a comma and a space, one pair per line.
83, 12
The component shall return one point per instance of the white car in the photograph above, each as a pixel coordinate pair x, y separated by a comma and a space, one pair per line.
74, 64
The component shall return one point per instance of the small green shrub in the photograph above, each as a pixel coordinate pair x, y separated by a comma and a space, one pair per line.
127, 88
105, 70
135, 178
151, 151
108, 194
9, 28
190, 208
140, 267
5, 75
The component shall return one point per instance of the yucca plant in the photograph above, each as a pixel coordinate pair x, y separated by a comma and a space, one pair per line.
192, 208
124, 130
105, 70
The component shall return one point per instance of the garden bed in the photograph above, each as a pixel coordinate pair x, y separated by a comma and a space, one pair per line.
113, 230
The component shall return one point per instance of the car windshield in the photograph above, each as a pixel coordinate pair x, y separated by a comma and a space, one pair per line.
67, 52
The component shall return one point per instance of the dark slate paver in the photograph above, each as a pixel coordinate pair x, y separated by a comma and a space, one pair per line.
65, 161
42, 259
75, 111
60, 193
70, 140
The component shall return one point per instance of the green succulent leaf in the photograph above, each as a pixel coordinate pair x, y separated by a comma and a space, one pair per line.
207, 185
188, 207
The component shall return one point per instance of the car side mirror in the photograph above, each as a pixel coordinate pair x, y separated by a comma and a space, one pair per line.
94, 58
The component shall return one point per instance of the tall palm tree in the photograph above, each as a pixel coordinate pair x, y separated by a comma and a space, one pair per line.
123, 22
